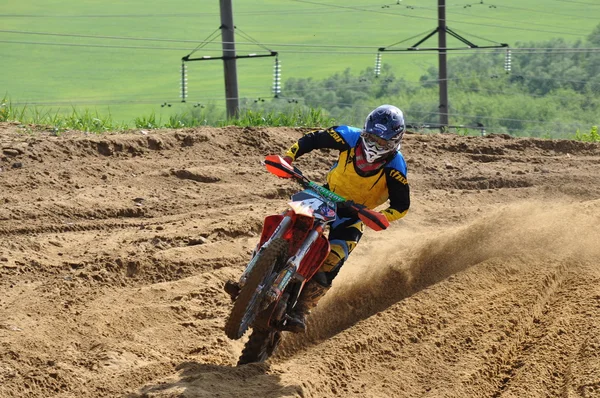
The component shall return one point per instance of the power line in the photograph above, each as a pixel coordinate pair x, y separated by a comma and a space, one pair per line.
193, 41
432, 7
204, 42
94, 45
443, 19
496, 5
178, 40
99, 37
513, 21
578, 2
172, 15
549, 13
264, 12
515, 28
357, 8
514, 50
533, 50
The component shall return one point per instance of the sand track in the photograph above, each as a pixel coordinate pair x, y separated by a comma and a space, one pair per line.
114, 249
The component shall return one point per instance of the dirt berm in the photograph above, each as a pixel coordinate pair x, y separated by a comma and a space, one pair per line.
114, 249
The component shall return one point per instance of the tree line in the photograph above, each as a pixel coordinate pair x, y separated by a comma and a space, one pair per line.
551, 91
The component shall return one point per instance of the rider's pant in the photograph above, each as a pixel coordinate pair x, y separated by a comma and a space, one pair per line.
343, 238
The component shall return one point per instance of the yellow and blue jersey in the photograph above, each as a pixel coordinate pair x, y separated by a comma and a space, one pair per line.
371, 188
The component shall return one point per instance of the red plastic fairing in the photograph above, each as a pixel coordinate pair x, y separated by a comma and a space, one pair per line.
314, 258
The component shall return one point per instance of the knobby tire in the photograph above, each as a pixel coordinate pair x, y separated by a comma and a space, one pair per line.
246, 302
260, 346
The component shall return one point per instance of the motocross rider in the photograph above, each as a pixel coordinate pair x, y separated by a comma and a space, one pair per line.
370, 170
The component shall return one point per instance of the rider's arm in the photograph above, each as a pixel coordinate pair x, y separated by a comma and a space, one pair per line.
317, 140
399, 195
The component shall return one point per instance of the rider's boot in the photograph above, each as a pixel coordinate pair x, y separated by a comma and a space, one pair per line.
309, 297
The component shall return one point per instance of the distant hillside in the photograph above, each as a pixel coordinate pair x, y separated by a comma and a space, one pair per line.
83, 54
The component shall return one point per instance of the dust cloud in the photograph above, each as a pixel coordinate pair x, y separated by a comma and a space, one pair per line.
374, 280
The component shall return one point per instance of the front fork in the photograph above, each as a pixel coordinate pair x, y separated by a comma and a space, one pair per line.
283, 278
279, 231
289, 271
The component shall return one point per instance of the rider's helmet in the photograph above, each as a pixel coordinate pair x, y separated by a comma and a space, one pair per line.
383, 131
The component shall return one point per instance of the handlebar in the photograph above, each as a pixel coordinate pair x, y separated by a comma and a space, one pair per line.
279, 167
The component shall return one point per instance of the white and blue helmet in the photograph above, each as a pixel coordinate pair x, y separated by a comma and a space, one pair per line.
383, 131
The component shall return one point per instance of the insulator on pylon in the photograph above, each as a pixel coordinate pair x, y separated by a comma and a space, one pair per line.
378, 65
277, 77
507, 61
183, 83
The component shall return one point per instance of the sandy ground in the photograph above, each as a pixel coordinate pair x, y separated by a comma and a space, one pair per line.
114, 250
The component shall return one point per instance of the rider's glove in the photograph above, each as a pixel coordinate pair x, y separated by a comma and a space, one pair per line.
351, 205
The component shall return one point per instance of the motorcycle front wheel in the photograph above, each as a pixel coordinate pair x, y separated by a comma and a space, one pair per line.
247, 303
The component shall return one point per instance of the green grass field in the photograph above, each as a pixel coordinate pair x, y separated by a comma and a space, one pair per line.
60, 71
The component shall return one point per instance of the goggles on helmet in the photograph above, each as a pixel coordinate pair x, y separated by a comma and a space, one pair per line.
381, 143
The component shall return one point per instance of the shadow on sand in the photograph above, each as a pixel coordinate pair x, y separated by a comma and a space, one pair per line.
201, 380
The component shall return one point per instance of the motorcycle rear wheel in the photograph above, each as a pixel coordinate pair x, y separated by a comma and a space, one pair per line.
245, 306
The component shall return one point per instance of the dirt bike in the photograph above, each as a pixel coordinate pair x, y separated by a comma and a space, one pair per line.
291, 249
